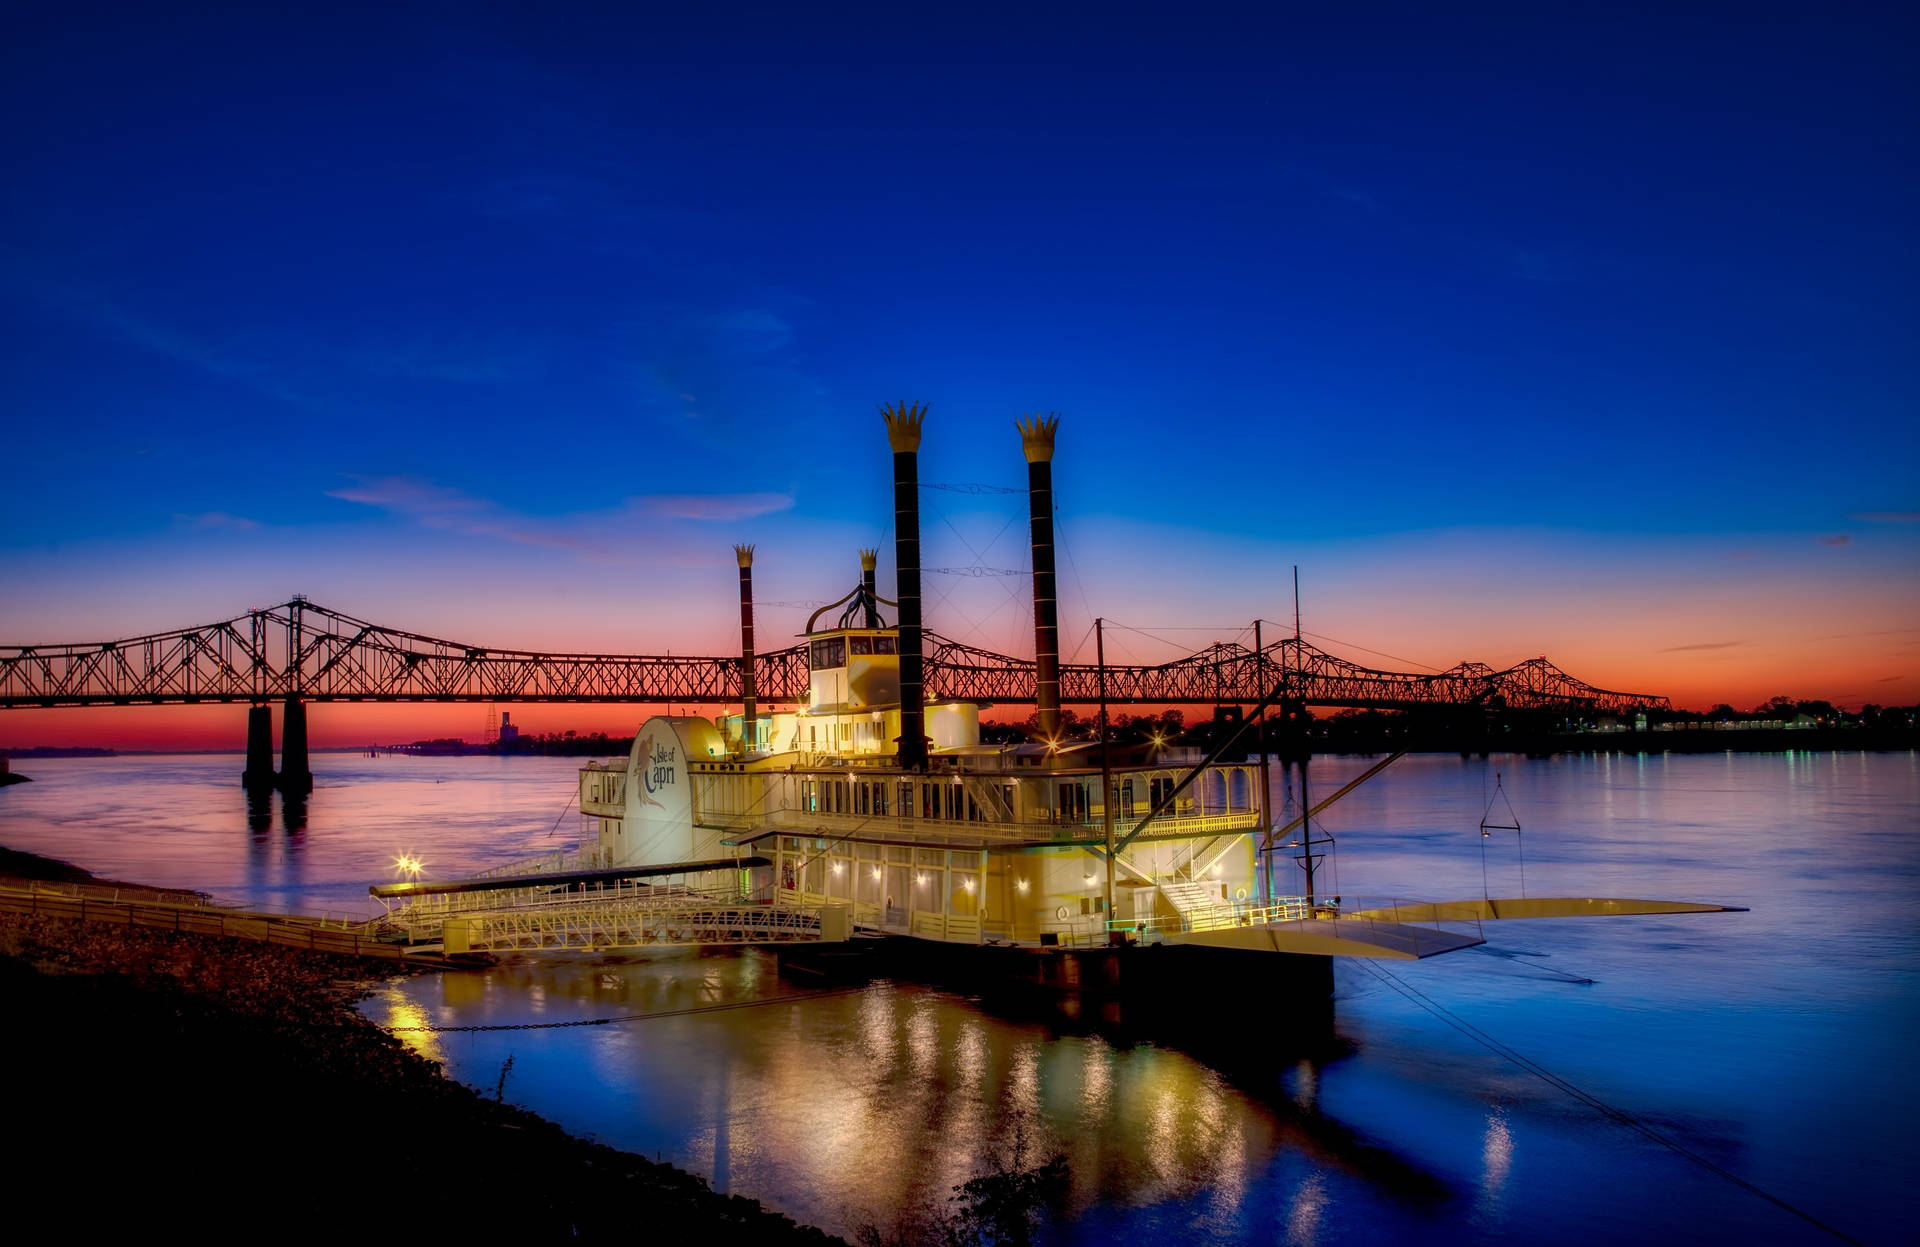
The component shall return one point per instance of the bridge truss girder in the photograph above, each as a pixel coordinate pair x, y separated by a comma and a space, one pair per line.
300, 650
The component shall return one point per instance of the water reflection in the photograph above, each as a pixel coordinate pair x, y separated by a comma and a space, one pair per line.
1496, 1159
1303, 1218
845, 1108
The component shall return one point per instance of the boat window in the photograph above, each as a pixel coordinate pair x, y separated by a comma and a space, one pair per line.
829, 653
884, 645
860, 644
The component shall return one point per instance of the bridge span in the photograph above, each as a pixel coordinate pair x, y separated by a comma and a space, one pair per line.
299, 651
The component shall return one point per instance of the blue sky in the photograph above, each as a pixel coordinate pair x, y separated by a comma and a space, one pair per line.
458, 310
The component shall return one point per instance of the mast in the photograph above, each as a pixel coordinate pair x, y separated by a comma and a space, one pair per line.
1266, 813
1306, 757
1106, 762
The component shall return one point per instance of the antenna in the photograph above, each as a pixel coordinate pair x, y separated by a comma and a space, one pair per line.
1296, 601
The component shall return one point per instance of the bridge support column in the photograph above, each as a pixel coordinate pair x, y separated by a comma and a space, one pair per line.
258, 776
295, 779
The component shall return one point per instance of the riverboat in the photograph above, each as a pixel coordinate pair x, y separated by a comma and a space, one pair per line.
874, 809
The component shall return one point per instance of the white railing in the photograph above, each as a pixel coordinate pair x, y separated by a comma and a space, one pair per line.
425, 918
784, 818
605, 924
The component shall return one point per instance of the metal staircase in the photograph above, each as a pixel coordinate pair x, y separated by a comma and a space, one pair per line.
1198, 904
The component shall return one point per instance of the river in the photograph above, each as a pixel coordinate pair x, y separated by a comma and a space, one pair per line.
1773, 1045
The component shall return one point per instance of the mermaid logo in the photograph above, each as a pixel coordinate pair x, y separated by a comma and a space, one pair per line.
649, 771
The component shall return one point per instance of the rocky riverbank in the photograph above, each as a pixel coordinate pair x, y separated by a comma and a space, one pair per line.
164, 1083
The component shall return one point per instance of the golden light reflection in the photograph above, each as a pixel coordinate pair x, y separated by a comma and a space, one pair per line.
970, 1054
1096, 1079
922, 1041
1023, 1082
405, 1017
1165, 1117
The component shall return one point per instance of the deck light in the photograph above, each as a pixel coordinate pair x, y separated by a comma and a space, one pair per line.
966, 885
1020, 886
876, 874
838, 867
919, 878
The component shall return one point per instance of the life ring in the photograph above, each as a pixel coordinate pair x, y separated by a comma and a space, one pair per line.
1239, 894
1062, 913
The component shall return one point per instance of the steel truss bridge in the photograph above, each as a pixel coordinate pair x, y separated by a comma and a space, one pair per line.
302, 651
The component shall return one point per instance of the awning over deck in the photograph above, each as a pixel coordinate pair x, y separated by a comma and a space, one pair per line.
1331, 937
1509, 907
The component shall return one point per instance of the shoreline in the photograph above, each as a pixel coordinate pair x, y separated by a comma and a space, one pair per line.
237, 1082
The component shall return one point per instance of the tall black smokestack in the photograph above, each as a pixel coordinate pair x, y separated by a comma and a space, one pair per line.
747, 735
1036, 437
903, 434
870, 590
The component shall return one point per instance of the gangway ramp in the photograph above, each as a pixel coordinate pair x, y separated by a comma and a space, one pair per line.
601, 923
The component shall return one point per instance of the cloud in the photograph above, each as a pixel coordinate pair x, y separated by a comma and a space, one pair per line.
449, 510
601, 534
214, 519
1681, 649
1838, 539
715, 508
1887, 517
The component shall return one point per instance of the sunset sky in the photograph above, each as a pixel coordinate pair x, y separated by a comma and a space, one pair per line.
1531, 332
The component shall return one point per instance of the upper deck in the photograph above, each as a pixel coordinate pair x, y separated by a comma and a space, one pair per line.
979, 799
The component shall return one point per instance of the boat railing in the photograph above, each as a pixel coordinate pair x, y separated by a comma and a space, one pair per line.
1022, 830
429, 911
112, 893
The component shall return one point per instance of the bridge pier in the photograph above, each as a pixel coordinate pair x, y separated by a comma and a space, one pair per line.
295, 779
258, 777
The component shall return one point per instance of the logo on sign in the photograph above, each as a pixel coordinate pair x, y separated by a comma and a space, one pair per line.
655, 764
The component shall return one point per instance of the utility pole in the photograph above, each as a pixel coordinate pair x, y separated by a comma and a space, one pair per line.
1106, 761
